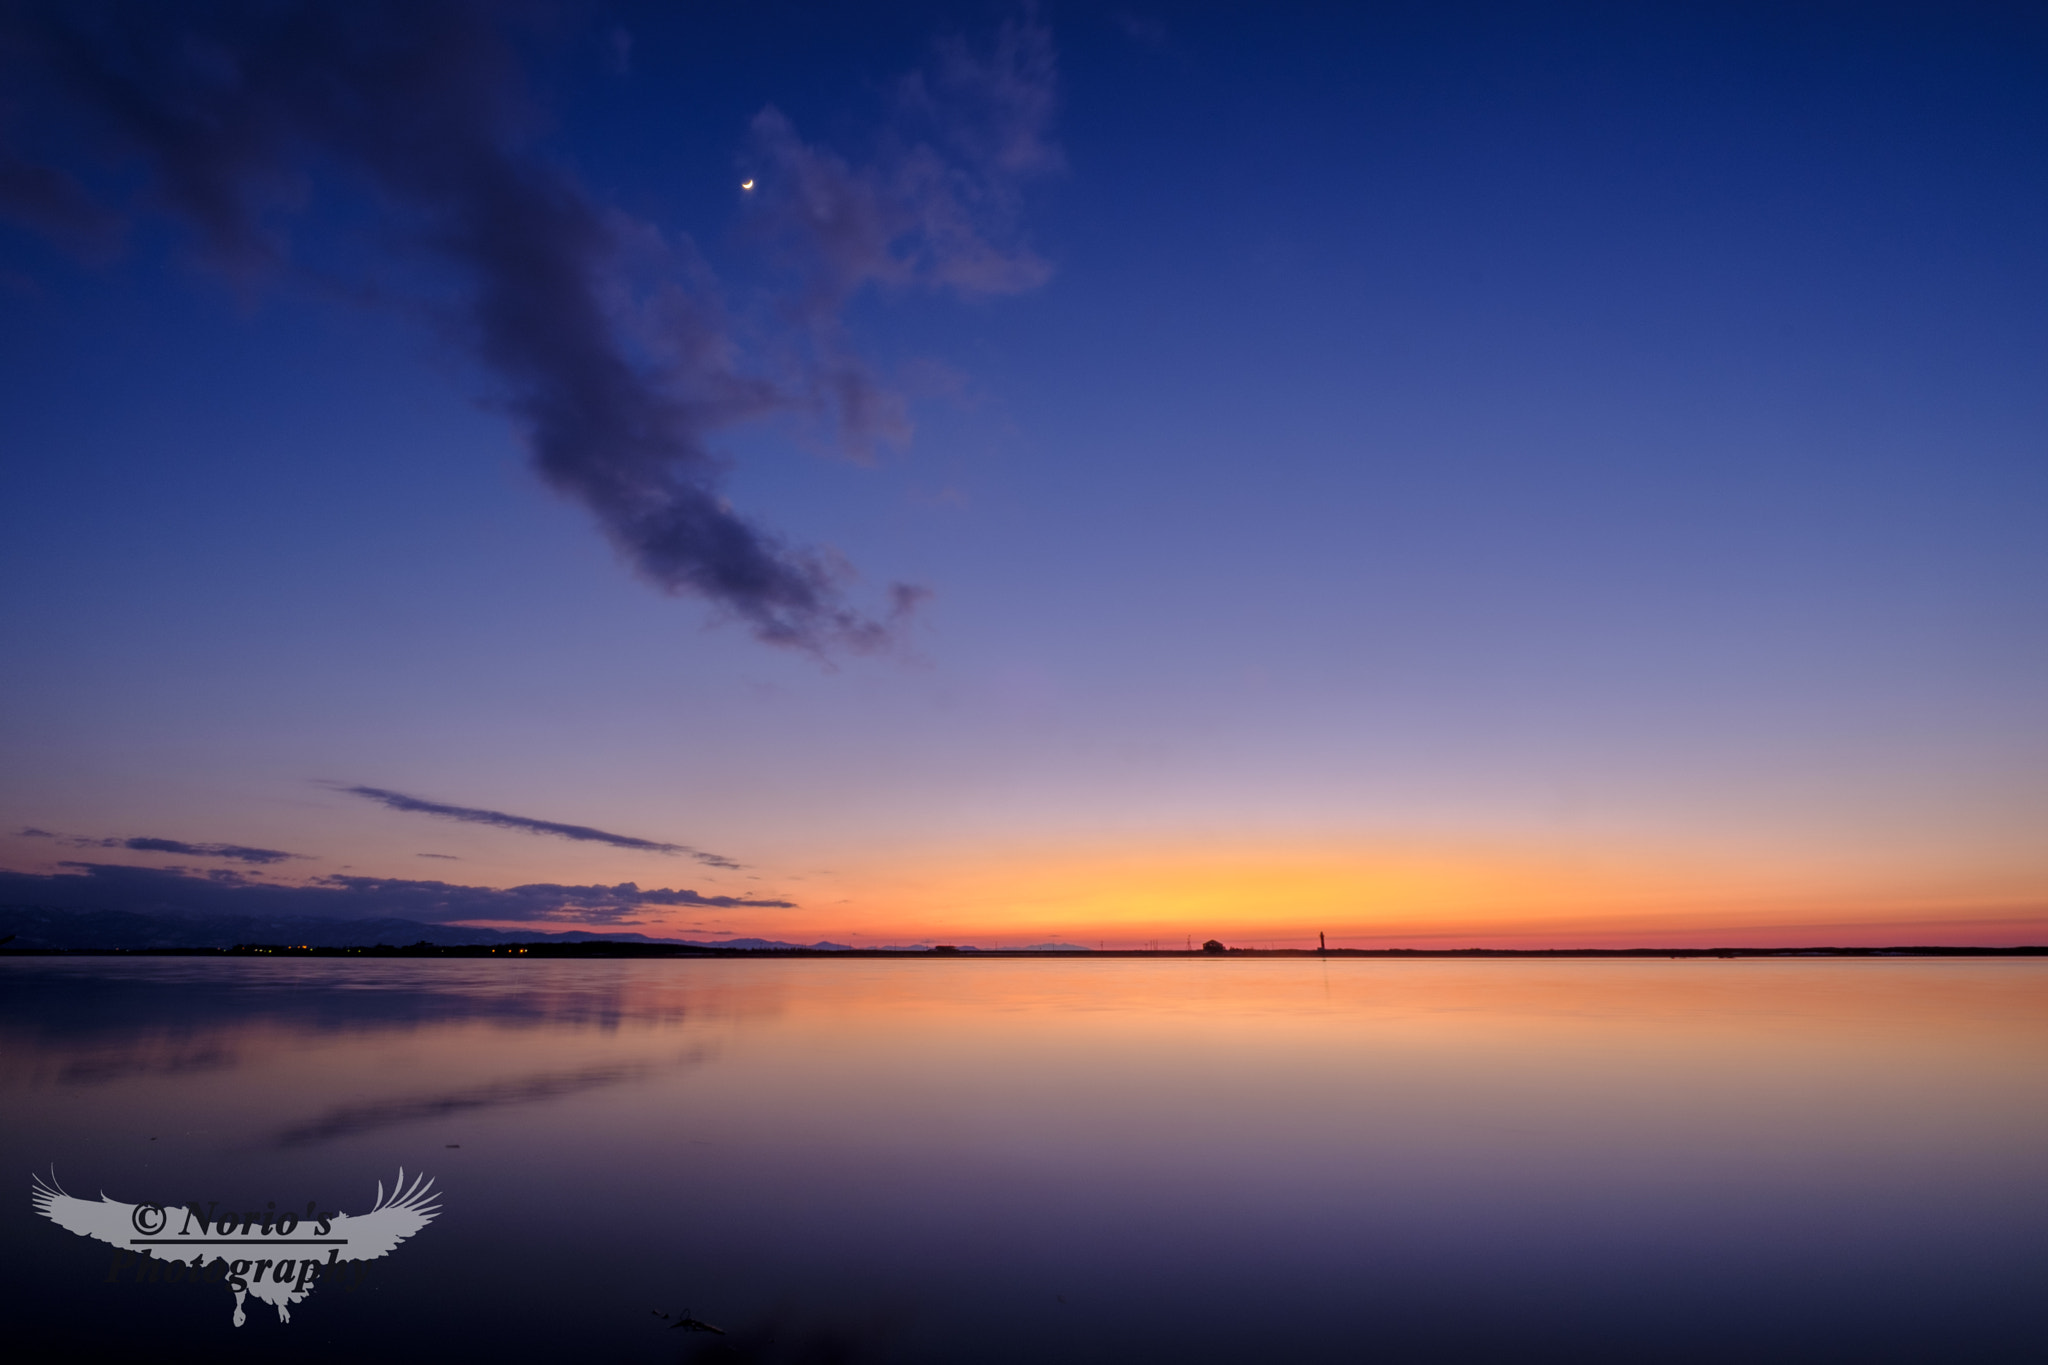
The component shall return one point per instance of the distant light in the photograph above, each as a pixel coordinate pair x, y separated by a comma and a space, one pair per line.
746, 184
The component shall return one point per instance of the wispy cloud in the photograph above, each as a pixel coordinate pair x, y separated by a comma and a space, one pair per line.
620, 384
581, 833
54, 203
935, 209
240, 853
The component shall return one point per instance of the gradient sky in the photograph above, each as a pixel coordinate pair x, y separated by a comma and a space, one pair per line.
1427, 474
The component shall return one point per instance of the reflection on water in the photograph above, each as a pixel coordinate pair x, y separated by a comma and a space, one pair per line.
1084, 1160
348, 1120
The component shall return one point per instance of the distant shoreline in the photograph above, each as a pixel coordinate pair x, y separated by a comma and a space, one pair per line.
601, 949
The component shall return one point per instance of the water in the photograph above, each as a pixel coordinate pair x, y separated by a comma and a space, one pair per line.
1032, 1160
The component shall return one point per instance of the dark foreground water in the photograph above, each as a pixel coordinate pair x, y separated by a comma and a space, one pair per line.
1055, 1161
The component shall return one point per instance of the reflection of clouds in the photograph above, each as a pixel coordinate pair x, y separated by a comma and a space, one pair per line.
86, 1006
83, 1023
354, 1119
99, 1068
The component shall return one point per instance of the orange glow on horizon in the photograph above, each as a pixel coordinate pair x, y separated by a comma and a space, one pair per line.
1255, 895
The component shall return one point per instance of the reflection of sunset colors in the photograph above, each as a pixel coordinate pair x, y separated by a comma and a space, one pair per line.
1846, 1152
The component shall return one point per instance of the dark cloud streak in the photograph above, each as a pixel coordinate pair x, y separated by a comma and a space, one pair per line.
233, 107
581, 833
240, 853
236, 852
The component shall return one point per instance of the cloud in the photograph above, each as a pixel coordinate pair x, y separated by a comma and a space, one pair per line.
53, 203
240, 853
581, 833
236, 852
619, 46
1143, 29
936, 209
239, 111
152, 890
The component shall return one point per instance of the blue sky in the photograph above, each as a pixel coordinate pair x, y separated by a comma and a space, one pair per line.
1587, 443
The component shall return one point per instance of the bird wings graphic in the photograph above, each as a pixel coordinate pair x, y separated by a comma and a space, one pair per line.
377, 1232
106, 1220
147, 1230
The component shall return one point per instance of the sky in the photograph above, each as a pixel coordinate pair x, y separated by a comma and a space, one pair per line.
1430, 475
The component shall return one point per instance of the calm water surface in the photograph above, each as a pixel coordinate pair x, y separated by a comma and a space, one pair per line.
1060, 1160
